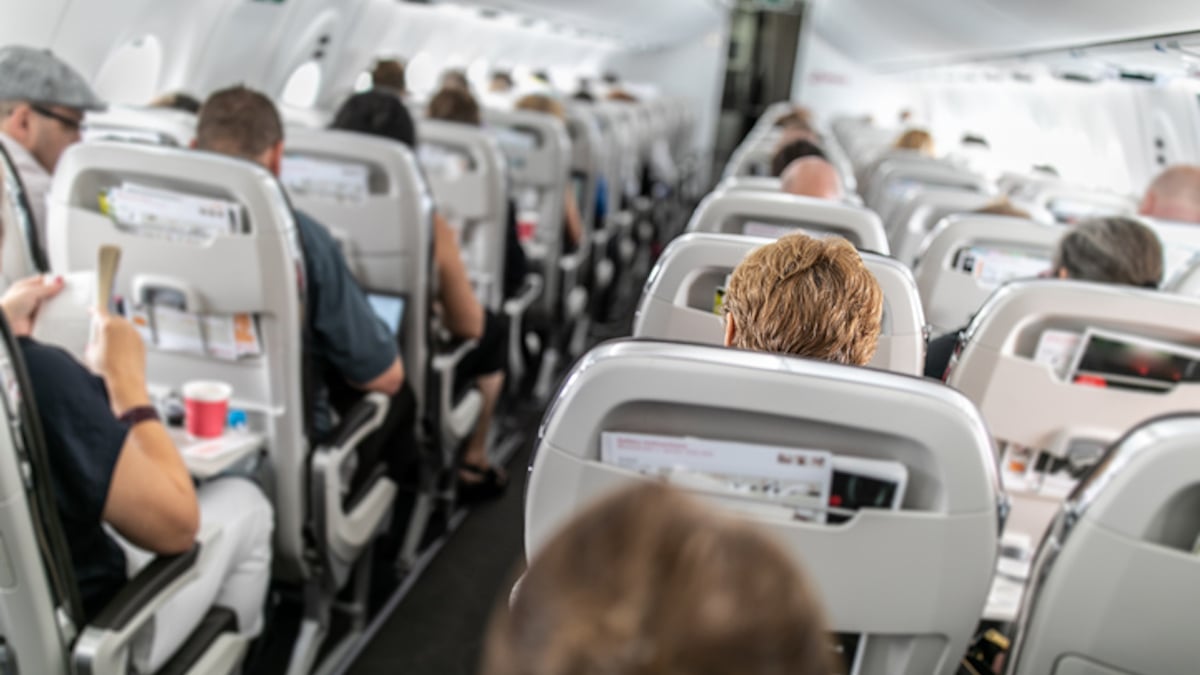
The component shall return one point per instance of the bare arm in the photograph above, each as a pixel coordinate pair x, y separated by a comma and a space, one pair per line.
463, 313
389, 382
571, 220
151, 500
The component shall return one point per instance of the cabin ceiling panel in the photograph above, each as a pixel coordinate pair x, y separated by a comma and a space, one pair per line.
898, 33
636, 22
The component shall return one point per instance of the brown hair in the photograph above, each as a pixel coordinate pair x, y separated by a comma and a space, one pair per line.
238, 121
452, 104
389, 74
648, 582
916, 139
1003, 207
541, 103
1113, 251
807, 297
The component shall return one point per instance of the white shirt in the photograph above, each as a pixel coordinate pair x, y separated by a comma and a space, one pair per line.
36, 181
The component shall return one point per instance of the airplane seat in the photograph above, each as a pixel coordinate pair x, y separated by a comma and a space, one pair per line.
1071, 204
41, 616
678, 303
919, 210
967, 256
752, 158
468, 175
21, 253
148, 125
1061, 369
635, 410
898, 173
587, 167
538, 151
1111, 580
1181, 246
767, 214
212, 271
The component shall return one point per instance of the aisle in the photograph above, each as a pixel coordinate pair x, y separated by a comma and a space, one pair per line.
438, 628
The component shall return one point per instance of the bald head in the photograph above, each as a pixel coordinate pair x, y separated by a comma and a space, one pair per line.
812, 177
1174, 195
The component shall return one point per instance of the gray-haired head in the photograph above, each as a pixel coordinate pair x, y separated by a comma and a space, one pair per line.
38, 76
1111, 250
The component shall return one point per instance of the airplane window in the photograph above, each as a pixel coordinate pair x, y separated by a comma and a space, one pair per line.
363, 82
422, 74
130, 75
303, 86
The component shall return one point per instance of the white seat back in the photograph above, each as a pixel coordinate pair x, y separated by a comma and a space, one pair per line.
1113, 582
897, 172
1071, 204
757, 213
918, 604
538, 151
468, 176
588, 158
1181, 246
1027, 402
382, 218
256, 271
677, 303
919, 211
152, 126
951, 294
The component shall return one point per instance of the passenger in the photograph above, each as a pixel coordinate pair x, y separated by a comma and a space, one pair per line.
805, 297
916, 139
1104, 250
651, 582
351, 349
455, 79
455, 105
383, 115
1174, 195
452, 104
789, 152
122, 491
501, 82
42, 103
572, 223
177, 101
388, 75
1003, 207
812, 177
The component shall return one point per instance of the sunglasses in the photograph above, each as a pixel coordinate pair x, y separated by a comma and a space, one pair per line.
70, 123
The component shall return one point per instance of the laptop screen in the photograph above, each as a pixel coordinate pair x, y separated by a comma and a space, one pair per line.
389, 308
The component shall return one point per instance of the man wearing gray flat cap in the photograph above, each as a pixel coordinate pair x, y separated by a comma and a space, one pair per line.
42, 103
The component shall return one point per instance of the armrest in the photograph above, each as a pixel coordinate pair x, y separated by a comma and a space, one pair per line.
530, 292
456, 421
344, 533
103, 646
570, 263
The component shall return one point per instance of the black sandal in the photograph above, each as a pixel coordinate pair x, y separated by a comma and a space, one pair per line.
491, 484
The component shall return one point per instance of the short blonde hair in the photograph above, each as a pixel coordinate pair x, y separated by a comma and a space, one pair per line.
543, 104
807, 297
647, 582
916, 139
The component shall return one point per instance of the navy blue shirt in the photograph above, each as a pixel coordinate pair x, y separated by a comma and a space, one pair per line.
347, 336
83, 440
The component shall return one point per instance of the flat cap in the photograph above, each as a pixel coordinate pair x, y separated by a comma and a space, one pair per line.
38, 76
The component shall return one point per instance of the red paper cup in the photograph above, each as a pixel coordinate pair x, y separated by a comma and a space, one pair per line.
526, 230
206, 406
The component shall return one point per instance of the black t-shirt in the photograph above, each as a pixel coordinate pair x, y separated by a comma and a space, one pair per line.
83, 440
348, 338
938, 355
516, 265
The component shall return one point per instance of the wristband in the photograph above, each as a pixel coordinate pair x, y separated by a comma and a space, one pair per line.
139, 414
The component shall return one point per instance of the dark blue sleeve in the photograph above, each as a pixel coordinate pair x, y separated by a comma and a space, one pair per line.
83, 437
346, 332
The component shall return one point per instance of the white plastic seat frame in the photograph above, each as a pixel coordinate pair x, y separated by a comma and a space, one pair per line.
152, 126
478, 196
318, 540
677, 303
1044, 196
917, 605
728, 212
895, 177
950, 296
1111, 579
920, 210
